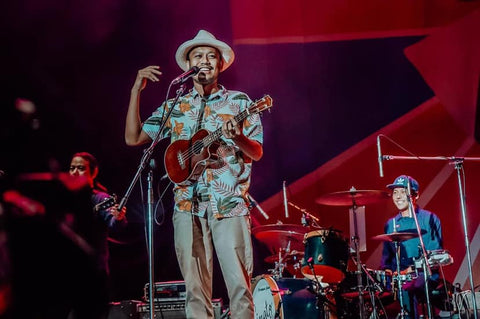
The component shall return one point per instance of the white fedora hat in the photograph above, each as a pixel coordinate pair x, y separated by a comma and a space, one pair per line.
204, 38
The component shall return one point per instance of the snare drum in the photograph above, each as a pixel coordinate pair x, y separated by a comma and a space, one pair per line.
382, 285
328, 252
283, 298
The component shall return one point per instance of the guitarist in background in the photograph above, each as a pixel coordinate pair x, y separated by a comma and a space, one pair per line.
58, 243
211, 211
89, 232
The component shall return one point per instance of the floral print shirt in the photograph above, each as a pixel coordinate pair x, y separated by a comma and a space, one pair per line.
224, 184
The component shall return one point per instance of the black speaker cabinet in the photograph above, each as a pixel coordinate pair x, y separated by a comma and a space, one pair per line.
126, 309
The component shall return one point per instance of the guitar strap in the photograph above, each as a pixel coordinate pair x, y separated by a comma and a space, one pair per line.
195, 199
203, 103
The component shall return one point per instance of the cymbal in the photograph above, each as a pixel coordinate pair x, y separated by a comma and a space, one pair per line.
352, 197
293, 256
281, 227
281, 236
397, 236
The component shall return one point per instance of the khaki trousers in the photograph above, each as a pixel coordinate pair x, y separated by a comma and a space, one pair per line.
195, 238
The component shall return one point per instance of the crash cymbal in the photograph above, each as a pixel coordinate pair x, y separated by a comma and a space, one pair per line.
295, 228
292, 257
352, 197
400, 236
281, 236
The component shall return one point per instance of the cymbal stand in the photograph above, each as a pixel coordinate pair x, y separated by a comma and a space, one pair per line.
371, 282
357, 256
280, 265
402, 313
319, 291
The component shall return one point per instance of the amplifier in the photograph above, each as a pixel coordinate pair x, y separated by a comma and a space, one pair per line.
463, 305
173, 309
166, 291
125, 309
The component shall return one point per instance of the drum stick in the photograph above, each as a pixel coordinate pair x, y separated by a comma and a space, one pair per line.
303, 210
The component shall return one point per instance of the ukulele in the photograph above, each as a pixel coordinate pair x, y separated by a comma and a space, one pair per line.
185, 160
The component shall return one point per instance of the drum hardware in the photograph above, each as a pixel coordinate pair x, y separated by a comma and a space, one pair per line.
321, 289
436, 258
354, 198
372, 289
459, 167
398, 278
290, 261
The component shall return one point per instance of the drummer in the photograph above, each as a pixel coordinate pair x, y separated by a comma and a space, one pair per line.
431, 229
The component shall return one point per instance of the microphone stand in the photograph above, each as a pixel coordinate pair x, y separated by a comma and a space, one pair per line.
458, 161
427, 272
147, 154
151, 210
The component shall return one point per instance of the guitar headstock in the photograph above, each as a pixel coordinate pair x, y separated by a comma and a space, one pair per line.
261, 105
106, 204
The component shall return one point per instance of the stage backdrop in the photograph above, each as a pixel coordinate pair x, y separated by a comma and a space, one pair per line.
340, 73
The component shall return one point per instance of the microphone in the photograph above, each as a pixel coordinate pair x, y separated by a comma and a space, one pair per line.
285, 201
186, 75
255, 204
310, 262
380, 157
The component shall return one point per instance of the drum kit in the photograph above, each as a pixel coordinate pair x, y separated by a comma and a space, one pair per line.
310, 279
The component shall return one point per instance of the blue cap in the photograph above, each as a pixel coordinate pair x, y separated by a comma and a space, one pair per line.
401, 181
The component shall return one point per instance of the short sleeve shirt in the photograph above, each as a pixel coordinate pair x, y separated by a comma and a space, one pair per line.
224, 185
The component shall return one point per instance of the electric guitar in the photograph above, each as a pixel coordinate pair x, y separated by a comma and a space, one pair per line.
185, 160
106, 203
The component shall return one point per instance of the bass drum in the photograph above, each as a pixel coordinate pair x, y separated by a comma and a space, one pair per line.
284, 298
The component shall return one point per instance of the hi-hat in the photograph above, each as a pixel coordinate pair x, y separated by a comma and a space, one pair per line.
397, 236
281, 236
352, 197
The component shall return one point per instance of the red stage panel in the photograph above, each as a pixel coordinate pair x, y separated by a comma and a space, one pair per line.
295, 20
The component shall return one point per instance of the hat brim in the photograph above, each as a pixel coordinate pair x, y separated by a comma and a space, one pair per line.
225, 50
392, 186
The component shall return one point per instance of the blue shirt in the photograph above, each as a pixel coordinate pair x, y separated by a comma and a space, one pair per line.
432, 238
222, 186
